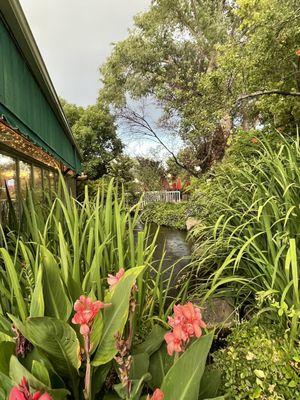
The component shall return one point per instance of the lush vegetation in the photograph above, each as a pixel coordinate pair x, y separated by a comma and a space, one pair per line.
209, 66
95, 132
173, 215
67, 255
86, 310
259, 364
249, 244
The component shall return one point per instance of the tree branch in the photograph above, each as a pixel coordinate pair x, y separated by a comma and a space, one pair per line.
138, 122
266, 93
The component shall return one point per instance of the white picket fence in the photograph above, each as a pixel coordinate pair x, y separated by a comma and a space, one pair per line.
173, 196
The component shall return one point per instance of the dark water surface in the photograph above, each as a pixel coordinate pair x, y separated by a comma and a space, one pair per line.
174, 243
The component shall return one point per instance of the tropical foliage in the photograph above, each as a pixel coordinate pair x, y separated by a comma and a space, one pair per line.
96, 135
210, 66
258, 363
167, 214
68, 256
248, 247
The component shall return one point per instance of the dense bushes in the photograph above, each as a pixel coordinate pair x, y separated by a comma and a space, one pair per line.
173, 215
249, 244
66, 252
258, 364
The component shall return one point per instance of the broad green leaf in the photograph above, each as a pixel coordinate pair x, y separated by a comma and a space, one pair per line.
5, 326
37, 355
160, 363
40, 372
37, 306
57, 303
140, 366
17, 371
15, 283
115, 317
6, 386
6, 338
210, 383
96, 332
182, 381
58, 341
7, 349
153, 342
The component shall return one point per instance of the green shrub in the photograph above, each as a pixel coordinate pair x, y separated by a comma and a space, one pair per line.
257, 364
250, 243
173, 215
66, 249
209, 191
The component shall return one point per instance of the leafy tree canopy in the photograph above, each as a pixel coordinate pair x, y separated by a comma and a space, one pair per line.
95, 132
211, 65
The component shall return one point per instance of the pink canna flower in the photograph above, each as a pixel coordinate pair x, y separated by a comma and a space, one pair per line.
157, 395
22, 392
174, 342
113, 280
86, 311
45, 396
16, 394
297, 52
186, 323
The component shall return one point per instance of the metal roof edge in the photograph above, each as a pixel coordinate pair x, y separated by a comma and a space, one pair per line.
19, 27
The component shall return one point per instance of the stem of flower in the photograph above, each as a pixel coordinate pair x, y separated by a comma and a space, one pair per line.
175, 358
131, 323
87, 379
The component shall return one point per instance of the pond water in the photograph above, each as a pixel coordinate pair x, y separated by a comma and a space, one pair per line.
172, 242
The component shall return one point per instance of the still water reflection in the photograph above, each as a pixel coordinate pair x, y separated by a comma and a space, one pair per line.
173, 243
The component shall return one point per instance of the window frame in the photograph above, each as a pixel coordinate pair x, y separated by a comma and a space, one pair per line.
7, 151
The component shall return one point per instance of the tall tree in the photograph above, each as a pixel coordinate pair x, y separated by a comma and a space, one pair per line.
210, 64
95, 132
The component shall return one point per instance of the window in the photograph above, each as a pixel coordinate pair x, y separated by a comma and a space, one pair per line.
25, 178
52, 182
8, 177
38, 182
8, 183
46, 182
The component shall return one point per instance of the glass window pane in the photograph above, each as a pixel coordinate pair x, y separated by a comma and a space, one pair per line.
52, 181
8, 175
38, 181
56, 180
46, 182
25, 178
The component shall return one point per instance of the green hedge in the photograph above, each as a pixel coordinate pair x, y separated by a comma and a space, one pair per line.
257, 364
173, 215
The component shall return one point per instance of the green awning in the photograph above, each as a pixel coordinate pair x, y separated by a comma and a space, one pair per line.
31, 107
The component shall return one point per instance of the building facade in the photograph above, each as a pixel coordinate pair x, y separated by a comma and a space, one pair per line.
35, 139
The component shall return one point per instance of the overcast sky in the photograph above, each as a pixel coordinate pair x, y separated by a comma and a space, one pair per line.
75, 36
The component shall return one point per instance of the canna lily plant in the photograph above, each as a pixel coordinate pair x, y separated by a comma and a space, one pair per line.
62, 360
60, 369
70, 320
